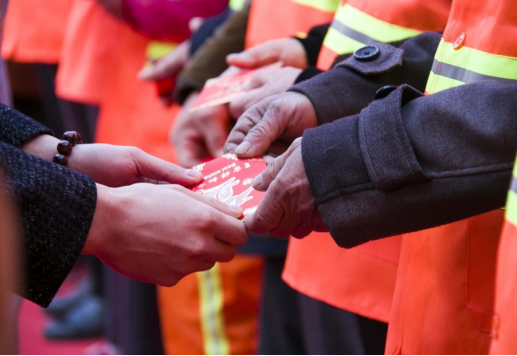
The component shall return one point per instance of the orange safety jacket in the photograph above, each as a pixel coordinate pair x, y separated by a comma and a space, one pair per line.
87, 57
444, 296
505, 310
272, 19
359, 23
34, 30
362, 279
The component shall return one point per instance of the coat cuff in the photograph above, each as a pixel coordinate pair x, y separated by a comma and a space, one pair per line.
16, 128
56, 207
354, 156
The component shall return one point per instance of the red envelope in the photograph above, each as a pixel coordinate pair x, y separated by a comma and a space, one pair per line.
223, 90
228, 179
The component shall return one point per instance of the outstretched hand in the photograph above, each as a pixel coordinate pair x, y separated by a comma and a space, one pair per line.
275, 121
289, 206
287, 50
114, 166
161, 233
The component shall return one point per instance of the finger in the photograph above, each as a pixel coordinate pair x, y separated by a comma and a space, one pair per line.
151, 167
238, 106
267, 215
245, 123
168, 66
215, 133
258, 80
264, 180
229, 230
260, 136
195, 23
219, 251
302, 230
254, 57
233, 211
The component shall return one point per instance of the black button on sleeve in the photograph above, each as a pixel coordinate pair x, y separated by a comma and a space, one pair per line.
384, 91
367, 53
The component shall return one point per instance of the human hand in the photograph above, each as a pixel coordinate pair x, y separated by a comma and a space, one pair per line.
161, 233
279, 119
167, 66
199, 134
288, 50
265, 83
289, 206
114, 166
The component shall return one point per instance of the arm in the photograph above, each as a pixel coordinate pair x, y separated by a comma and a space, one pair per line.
410, 162
351, 85
56, 207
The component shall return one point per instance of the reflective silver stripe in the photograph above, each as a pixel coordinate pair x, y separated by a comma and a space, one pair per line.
351, 33
465, 75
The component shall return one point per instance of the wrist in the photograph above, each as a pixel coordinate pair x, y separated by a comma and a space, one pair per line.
42, 146
103, 221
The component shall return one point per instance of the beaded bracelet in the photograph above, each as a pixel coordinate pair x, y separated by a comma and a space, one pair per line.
64, 147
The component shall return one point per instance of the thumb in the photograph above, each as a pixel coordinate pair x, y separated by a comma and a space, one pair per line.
264, 180
254, 57
153, 168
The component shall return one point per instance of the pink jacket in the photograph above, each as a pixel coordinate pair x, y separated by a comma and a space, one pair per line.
168, 19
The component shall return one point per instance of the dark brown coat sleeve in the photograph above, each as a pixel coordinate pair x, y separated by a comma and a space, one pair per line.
410, 162
351, 85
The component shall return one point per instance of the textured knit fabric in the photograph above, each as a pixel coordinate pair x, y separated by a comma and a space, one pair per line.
55, 204
347, 89
410, 162
16, 128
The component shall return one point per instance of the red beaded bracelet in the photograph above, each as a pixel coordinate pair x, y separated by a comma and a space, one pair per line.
64, 147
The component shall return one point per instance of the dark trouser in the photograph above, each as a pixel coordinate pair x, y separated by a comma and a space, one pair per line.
133, 320
63, 115
292, 323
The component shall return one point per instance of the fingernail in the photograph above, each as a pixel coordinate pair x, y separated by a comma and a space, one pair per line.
145, 72
243, 148
256, 181
194, 174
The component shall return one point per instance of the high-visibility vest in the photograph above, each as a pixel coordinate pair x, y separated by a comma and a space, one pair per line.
87, 57
504, 322
444, 296
315, 264
358, 23
272, 19
34, 30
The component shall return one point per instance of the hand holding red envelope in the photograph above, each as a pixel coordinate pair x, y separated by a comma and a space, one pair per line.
224, 89
228, 179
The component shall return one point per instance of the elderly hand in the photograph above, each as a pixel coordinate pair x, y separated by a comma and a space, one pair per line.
288, 50
278, 119
161, 233
289, 207
265, 83
114, 166
200, 134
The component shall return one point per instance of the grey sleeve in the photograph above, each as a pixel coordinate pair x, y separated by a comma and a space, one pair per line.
410, 162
